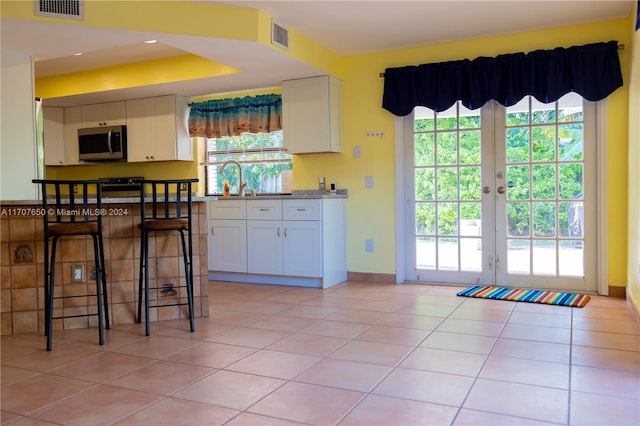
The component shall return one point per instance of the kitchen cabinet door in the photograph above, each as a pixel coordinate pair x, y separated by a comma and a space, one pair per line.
312, 115
302, 248
157, 129
72, 122
53, 135
227, 245
264, 247
105, 114
264, 236
227, 239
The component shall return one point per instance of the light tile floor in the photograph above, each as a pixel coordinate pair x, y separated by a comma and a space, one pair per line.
355, 354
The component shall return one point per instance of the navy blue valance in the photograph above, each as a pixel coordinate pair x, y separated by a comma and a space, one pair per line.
592, 70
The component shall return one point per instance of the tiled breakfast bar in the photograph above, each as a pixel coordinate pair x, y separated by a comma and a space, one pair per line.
22, 266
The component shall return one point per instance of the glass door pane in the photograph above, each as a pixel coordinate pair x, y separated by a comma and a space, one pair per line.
447, 201
545, 161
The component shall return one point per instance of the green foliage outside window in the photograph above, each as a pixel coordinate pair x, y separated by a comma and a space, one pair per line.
261, 156
544, 163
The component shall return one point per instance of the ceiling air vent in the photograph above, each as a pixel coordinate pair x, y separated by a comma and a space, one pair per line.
69, 9
279, 35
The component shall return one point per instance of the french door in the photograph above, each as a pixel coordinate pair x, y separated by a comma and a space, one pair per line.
502, 196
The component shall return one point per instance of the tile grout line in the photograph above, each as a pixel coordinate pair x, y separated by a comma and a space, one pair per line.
475, 379
569, 385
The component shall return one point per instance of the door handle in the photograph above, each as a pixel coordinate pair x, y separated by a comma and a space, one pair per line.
501, 190
486, 189
110, 143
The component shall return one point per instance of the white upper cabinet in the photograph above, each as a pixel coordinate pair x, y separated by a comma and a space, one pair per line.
72, 122
158, 129
312, 115
106, 114
60, 131
53, 130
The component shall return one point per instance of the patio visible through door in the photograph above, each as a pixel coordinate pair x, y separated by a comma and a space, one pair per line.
502, 196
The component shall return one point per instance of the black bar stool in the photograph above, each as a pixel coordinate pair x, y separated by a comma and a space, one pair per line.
72, 211
162, 210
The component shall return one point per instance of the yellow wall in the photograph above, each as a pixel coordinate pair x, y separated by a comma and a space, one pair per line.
633, 271
371, 212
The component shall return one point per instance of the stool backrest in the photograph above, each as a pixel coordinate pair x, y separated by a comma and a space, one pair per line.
71, 201
162, 199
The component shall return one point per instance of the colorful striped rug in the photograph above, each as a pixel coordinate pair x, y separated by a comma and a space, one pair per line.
524, 295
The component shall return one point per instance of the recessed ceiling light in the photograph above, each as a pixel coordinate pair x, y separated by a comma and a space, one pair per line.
150, 41
77, 54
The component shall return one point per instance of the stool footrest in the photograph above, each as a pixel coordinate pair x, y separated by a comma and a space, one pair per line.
76, 316
75, 295
169, 304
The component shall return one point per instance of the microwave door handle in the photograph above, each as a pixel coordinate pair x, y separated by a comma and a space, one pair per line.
110, 143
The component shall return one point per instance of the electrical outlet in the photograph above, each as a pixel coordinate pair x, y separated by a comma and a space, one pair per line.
183, 186
77, 272
368, 245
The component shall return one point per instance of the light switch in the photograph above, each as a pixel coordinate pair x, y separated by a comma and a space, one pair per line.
368, 182
356, 151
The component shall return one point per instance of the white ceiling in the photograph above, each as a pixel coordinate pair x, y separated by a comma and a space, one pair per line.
355, 27
345, 27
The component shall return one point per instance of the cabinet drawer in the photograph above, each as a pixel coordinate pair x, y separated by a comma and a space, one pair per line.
264, 209
228, 209
302, 209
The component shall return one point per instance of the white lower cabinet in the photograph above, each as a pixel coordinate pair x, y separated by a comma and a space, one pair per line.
228, 245
291, 242
264, 247
302, 248
227, 241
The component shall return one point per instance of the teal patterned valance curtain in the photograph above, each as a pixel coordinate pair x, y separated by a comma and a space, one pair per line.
235, 116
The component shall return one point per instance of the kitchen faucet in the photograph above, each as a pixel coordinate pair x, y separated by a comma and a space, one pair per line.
241, 184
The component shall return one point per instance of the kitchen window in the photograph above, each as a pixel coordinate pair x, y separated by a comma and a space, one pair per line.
266, 167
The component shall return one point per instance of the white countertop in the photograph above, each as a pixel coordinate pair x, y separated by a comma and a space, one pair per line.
298, 194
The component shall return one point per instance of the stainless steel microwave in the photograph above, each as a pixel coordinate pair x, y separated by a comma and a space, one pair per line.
107, 143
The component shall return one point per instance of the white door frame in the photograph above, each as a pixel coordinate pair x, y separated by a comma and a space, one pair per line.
602, 273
